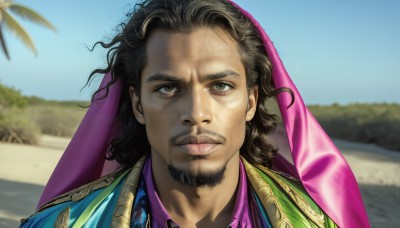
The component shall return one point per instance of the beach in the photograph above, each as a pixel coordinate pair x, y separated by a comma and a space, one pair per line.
24, 170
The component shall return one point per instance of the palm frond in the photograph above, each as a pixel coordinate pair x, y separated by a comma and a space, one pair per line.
18, 30
5, 3
31, 15
3, 44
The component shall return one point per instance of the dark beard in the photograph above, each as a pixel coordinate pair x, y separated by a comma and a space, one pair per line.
191, 179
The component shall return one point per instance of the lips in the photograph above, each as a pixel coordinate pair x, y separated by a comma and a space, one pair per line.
198, 139
198, 145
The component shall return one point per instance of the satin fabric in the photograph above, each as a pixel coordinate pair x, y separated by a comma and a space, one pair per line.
273, 201
101, 217
87, 149
320, 166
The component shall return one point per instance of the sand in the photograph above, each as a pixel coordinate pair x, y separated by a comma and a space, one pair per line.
24, 170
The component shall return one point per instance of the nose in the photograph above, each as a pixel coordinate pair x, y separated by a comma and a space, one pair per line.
196, 108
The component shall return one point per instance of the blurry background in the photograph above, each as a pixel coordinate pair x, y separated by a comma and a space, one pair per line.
343, 56
336, 51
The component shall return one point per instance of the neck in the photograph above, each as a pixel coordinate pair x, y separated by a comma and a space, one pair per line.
198, 206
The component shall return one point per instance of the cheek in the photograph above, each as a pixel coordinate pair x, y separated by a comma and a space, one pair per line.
159, 123
237, 125
232, 119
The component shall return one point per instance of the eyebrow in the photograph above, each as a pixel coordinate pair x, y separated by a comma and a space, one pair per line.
171, 78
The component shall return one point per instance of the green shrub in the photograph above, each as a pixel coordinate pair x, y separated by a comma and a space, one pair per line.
15, 127
22, 119
368, 123
34, 101
10, 97
56, 119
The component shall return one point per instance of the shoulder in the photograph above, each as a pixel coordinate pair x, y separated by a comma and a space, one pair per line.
284, 199
103, 202
59, 208
82, 191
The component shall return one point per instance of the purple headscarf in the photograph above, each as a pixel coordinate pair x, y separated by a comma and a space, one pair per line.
319, 165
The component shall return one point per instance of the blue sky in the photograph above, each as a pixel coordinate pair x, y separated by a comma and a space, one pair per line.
335, 51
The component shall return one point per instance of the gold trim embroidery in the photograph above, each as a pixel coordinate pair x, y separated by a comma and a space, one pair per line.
81, 192
62, 219
318, 219
272, 206
122, 212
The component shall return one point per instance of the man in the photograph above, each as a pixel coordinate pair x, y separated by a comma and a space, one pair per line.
183, 115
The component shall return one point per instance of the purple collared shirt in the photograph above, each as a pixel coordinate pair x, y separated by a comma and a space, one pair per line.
160, 217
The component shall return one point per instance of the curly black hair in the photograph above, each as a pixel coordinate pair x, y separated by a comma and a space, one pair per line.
126, 58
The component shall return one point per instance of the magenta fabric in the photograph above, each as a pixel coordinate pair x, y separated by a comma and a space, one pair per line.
241, 213
83, 159
320, 166
159, 215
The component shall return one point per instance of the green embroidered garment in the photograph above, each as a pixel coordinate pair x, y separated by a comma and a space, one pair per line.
120, 200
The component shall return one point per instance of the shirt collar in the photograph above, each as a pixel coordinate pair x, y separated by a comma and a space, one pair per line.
240, 216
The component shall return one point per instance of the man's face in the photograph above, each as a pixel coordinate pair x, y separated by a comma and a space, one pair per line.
194, 101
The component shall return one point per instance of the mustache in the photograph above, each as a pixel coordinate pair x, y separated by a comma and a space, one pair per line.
200, 131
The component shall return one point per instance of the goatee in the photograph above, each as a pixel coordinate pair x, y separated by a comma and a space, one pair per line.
192, 179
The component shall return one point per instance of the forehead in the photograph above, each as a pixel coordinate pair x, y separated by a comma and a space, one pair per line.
203, 49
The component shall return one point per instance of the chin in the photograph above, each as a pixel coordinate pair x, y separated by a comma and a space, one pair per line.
198, 177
